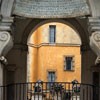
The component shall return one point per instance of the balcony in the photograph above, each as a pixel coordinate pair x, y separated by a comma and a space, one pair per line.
49, 91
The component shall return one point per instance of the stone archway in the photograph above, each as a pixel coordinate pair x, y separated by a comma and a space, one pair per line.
24, 23
19, 62
20, 43
20, 48
77, 24
63, 43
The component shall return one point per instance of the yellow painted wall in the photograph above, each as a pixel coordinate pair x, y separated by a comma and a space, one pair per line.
46, 57
33, 63
53, 60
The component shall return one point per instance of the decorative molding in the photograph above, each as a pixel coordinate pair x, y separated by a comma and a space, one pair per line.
53, 44
94, 24
3, 60
94, 29
6, 42
5, 23
95, 44
4, 36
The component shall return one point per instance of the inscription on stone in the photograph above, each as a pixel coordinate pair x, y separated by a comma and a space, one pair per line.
51, 8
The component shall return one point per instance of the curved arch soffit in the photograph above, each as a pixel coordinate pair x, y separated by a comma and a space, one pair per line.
73, 23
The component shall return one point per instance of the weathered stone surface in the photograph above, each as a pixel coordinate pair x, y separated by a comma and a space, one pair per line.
5, 24
94, 29
6, 8
6, 43
95, 44
51, 8
94, 24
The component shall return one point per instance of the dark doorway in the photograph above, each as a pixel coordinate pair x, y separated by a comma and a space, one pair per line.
10, 87
96, 77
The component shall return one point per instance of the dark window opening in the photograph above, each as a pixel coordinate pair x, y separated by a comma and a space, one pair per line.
51, 78
69, 63
52, 33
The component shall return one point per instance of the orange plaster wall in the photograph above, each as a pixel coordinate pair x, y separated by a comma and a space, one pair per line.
33, 64
46, 58
53, 60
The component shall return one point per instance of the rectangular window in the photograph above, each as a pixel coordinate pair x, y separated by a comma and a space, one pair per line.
69, 63
51, 78
52, 33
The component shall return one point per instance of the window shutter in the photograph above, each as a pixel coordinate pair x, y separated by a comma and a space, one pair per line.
73, 63
64, 63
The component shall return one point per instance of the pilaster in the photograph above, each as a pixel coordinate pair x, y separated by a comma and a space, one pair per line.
94, 29
6, 42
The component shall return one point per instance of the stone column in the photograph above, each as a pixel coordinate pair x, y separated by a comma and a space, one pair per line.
6, 43
95, 42
94, 29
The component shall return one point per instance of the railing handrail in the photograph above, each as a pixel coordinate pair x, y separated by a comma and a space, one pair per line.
51, 82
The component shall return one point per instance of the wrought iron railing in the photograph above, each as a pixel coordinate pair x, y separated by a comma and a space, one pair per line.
49, 91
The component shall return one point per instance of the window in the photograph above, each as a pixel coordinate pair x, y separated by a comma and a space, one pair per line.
52, 33
69, 63
51, 76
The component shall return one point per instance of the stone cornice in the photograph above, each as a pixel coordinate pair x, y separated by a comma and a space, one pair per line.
94, 24
5, 23
53, 44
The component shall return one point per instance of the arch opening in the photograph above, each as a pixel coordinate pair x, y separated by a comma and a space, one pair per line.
47, 58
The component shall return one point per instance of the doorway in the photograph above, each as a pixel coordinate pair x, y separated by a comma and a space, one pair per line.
96, 77
10, 88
